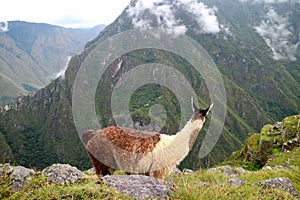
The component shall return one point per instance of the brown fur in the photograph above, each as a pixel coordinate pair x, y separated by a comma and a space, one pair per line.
101, 143
132, 140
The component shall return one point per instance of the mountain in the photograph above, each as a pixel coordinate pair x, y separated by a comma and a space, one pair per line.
33, 54
253, 44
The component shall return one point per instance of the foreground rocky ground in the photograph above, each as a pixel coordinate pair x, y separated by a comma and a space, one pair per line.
62, 181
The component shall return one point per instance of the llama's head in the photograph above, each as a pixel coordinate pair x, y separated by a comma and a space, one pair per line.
199, 114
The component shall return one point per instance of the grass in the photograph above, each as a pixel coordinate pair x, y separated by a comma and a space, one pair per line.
253, 141
192, 187
187, 187
291, 158
264, 132
39, 188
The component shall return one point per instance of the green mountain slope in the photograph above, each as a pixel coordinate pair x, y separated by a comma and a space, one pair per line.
32, 54
260, 89
276, 144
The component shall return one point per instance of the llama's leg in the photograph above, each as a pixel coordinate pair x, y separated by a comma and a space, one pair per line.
161, 173
100, 168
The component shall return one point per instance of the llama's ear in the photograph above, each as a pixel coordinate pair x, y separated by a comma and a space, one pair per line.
208, 109
195, 108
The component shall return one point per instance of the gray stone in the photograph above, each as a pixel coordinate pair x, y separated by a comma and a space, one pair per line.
188, 171
213, 169
6, 169
91, 171
20, 176
171, 183
282, 167
227, 170
176, 171
206, 184
62, 174
268, 168
235, 181
138, 186
241, 170
281, 183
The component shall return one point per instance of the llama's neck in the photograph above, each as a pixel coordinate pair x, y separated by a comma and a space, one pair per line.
171, 150
188, 134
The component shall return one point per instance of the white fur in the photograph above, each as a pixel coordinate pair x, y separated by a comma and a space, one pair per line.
170, 150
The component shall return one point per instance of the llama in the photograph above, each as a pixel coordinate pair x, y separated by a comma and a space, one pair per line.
141, 152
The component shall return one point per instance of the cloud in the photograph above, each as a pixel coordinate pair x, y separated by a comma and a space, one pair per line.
3, 27
74, 22
164, 13
276, 31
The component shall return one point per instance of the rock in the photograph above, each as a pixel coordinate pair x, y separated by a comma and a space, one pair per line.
62, 174
176, 171
282, 167
171, 183
235, 181
281, 183
268, 168
20, 176
227, 170
91, 171
6, 169
188, 171
206, 184
290, 145
138, 186
241, 170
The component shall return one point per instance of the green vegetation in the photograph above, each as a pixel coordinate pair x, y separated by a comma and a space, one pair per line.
29, 88
39, 188
187, 186
32, 54
267, 146
291, 158
193, 186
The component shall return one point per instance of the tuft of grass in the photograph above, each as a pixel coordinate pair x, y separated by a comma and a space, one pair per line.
264, 132
291, 158
253, 141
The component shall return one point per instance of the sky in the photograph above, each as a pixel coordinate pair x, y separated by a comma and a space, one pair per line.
66, 13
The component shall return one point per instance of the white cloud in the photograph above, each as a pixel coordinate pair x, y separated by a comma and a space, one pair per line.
3, 27
164, 12
276, 31
91, 12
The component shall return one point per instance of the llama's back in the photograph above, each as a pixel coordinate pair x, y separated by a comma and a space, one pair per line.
130, 140
130, 150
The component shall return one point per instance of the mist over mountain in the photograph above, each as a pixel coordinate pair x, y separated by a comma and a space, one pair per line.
255, 45
33, 54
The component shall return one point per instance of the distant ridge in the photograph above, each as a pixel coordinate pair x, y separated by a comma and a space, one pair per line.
31, 54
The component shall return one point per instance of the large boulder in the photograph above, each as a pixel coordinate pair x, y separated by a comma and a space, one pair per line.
62, 174
20, 177
138, 186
